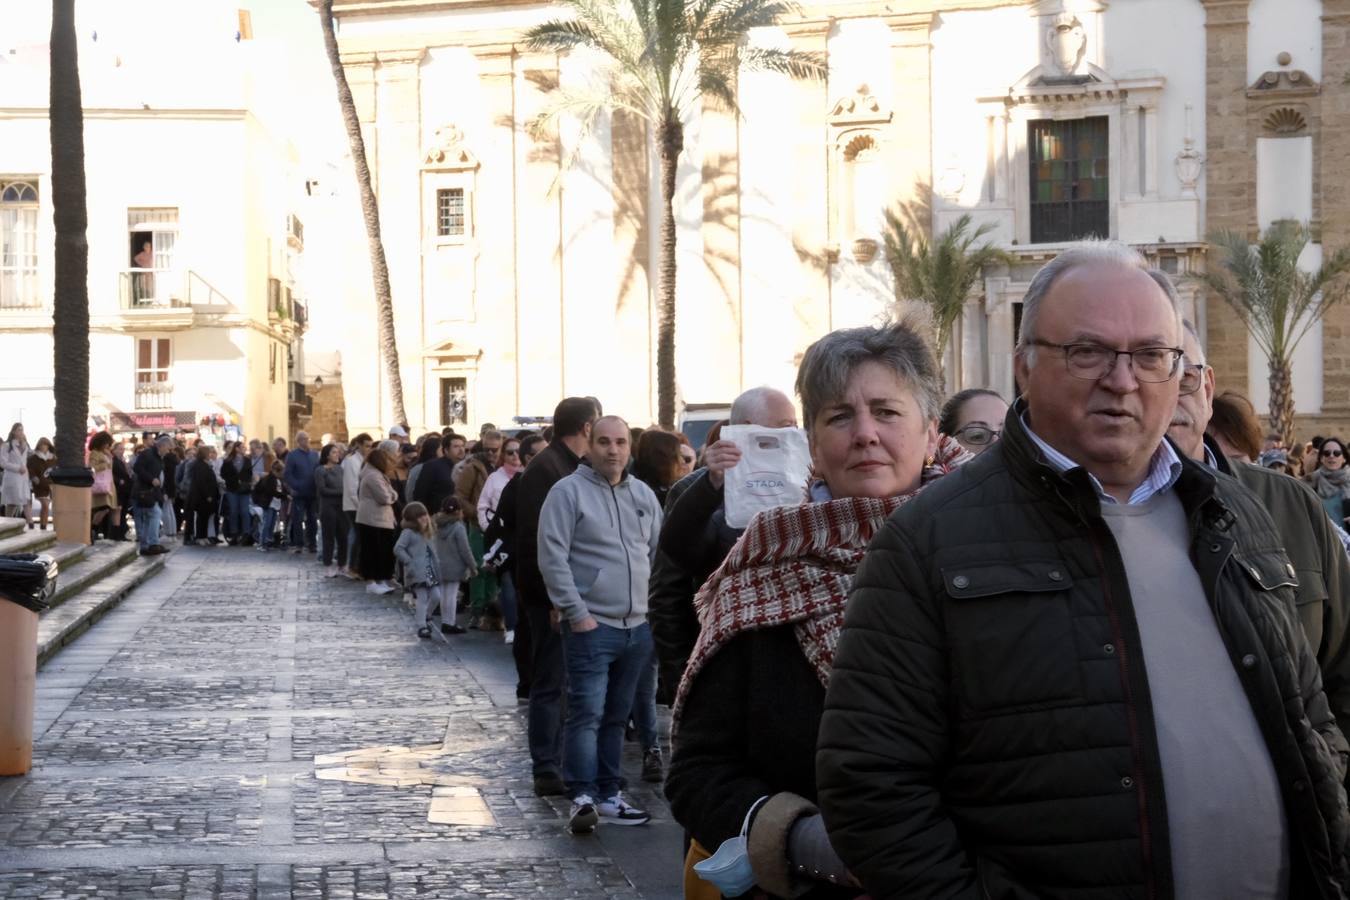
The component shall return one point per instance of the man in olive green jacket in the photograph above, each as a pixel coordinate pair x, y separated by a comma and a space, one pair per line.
1319, 559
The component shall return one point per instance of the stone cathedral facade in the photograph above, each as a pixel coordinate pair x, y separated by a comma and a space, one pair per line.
518, 279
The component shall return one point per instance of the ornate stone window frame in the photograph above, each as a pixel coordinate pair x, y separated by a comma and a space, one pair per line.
1131, 109
858, 124
448, 164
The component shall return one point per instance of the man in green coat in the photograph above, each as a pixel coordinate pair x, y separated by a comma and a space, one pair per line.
1319, 558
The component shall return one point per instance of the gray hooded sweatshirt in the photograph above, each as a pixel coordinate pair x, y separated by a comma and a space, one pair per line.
596, 544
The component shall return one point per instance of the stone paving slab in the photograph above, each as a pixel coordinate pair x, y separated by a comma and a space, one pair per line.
177, 746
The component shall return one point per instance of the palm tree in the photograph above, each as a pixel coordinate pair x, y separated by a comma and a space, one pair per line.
937, 273
662, 57
70, 304
370, 210
1276, 300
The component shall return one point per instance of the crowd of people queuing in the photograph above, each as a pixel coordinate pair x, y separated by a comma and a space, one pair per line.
1092, 643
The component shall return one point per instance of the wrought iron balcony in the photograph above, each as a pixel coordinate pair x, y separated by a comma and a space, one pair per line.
154, 395
152, 289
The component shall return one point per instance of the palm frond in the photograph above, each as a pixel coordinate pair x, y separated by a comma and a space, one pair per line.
714, 82
559, 36
733, 19
798, 64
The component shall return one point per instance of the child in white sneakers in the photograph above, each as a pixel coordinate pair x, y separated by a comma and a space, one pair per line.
421, 570
455, 557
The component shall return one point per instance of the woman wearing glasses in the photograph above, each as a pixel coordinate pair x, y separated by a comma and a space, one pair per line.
974, 417
1331, 479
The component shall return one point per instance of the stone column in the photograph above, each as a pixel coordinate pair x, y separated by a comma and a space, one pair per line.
399, 142
538, 240
909, 153
498, 383
811, 201
720, 327
635, 279
1333, 157
1230, 170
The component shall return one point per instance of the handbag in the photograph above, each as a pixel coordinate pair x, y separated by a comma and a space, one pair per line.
103, 482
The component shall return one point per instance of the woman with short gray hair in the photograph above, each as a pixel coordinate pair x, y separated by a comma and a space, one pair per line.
749, 705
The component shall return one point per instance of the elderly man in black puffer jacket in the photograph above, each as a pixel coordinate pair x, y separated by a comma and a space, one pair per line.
1074, 668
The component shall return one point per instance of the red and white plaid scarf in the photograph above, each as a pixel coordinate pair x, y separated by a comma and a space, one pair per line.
794, 565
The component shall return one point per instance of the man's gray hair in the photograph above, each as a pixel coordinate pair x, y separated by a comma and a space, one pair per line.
828, 365
1110, 254
753, 405
164, 440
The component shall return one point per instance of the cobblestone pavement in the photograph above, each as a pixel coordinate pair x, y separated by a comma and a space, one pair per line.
241, 727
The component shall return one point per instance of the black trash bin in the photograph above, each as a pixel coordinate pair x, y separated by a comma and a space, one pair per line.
23, 595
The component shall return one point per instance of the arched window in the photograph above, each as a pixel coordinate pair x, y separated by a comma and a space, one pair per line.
18, 245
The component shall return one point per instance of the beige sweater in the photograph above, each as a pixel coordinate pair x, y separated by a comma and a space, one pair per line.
375, 498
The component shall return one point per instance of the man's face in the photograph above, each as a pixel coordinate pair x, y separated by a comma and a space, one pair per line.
278, 445
456, 449
1111, 425
492, 446
302, 441
1194, 409
609, 449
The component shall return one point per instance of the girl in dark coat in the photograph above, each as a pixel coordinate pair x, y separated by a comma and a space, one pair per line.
203, 497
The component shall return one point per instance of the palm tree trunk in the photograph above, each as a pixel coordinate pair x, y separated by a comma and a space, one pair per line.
672, 145
1282, 400
70, 305
379, 268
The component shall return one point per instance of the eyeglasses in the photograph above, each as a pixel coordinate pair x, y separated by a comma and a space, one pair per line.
1093, 362
976, 435
1191, 378
1335, 453
512, 452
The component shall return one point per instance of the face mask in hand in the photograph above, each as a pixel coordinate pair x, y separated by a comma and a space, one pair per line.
729, 869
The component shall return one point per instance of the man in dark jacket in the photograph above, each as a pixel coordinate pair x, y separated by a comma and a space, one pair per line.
695, 536
299, 477
147, 495
503, 528
435, 482
1320, 562
1073, 668
572, 422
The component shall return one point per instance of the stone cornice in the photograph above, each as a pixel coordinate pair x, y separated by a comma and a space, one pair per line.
343, 8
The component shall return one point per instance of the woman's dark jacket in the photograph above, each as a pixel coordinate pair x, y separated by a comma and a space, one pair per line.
203, 490
238, 480
122, 480
328, 487
748, 730
267, 489
988, 711
502, 526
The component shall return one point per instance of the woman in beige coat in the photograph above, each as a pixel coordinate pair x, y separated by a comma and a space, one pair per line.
376, 525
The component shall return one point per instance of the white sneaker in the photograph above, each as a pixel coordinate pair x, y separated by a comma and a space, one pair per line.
384, 587
509, 637
617, 812
584, 817
373, 587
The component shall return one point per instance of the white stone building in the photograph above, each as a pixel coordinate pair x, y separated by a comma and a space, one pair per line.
183, 155
1051, 120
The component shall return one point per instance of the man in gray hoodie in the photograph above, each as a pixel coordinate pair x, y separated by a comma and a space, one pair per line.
598, 533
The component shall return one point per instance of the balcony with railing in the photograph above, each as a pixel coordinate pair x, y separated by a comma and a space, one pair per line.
152, 289
153, 395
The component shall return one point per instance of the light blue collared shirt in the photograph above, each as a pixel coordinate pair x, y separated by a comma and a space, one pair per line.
1164, 468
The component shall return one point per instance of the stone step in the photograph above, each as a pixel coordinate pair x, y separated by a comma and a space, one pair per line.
62, 624
101, 560
27, 542
11, 527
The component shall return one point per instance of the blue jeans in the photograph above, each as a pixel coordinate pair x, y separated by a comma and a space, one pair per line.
644, 707
603, 669
269, 525
237, 522
147, 520
304, 523
506, 599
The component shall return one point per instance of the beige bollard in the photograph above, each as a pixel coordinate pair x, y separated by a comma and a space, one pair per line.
71, 507
18, 682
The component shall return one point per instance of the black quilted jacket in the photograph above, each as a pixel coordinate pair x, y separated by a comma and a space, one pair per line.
987, 731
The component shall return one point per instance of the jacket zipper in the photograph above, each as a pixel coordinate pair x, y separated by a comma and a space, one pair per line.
628, 560
1131, 716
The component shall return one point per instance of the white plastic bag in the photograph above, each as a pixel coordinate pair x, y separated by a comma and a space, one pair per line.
774, 466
